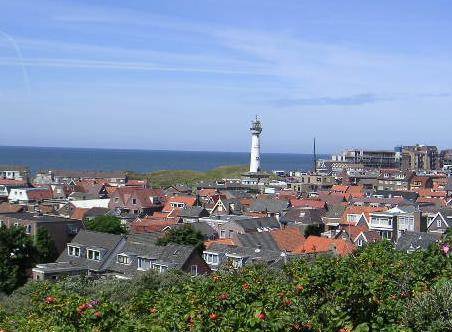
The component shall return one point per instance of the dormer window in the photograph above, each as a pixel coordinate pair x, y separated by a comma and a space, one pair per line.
210, 258
144, 264
134, 201
93, 254
73, 251
159, 267
124, 259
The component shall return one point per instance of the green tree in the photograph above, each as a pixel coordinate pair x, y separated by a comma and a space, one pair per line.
185, 234
106, 224
313, 230
45, 247
17, 255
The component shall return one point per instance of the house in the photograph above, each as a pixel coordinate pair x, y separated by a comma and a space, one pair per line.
302, 218
269, 207
120, 256
192, 214
225, 206
72, 177
30, 195
241, 226
394, 180
308, 203
17, 173
320, 244
61, 230
421, 182
152, 224
130, 202
440, 222
226, 256
358, 235
391, 224
175, 204
412, 241
333, 216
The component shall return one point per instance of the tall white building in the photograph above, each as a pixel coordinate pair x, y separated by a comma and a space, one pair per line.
256, 130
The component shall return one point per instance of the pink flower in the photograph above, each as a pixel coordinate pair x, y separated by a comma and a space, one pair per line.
445, 249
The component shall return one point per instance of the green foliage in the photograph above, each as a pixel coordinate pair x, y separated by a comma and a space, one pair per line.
431, 310
45, 247
167, 178
184, 234
375, 289
106, 224
315, 230
17, 254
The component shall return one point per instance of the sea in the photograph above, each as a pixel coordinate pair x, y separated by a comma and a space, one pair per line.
143, 161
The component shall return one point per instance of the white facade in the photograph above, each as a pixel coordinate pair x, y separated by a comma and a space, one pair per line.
255, 162
18, 195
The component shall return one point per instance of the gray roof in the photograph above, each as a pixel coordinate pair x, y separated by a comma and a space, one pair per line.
262, 240
410, 241
335, 211
193, 212
269, 205
251, 254
408, 195
17, 168
303, 216
96, 211
253, 224
95, 240
448, 186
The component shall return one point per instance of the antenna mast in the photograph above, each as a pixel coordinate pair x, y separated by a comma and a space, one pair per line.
315, 158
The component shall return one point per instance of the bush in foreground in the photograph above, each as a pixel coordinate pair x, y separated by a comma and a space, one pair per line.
372, 289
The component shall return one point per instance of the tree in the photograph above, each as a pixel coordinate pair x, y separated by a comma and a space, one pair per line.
45, 247
17, 255
313, 230
106, 224
185, 234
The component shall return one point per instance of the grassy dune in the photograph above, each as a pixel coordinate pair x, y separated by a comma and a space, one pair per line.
166, 178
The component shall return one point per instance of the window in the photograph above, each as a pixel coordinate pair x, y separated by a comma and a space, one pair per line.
360, 242
194, 270
73, 251
134, 201
2, 223
28, 229
211, 258
116, 199
236, 263
144, 263
438, 223
124, 259
222, 234
160, 268
93, 254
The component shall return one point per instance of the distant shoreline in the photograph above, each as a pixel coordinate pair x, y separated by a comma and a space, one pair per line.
144, 161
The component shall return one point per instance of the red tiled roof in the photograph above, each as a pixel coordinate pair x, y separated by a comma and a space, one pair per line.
10, 182
10, 208
151, 224
367, 210
79, 213
430, 193
317, 244
432, 200
187, 200
288, 239
39, 194
308, 202
228, 242
207, 192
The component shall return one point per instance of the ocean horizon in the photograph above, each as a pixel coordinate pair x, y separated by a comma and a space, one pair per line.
142, 161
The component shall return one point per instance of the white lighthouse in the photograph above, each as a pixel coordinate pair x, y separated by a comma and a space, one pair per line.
256, 130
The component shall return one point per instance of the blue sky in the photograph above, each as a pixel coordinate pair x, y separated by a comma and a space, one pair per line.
190, 75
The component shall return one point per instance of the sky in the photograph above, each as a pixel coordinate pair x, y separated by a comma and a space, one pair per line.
191, 75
